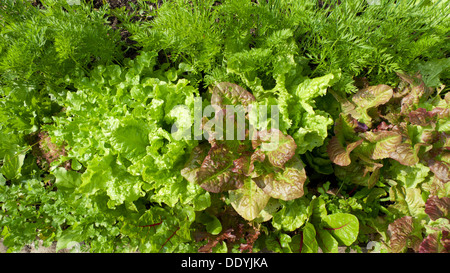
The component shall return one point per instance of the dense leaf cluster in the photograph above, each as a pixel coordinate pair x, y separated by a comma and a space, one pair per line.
104, 152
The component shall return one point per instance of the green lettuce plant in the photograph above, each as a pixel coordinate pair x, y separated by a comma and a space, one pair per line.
108, 154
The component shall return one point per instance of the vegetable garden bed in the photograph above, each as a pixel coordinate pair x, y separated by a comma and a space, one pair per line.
225, 126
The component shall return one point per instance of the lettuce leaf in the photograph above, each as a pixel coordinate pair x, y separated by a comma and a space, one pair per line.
292, 215
404, 234
398, 126
117, 124
215, 173
278, 152
252, 171
339, 154
294, 94
437, 207
313, 130
249, 200
408, 201
284, 184
437, 242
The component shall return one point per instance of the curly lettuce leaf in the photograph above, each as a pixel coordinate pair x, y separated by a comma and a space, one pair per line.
437, 207
437, 242
310, 89
292, 215
339, 154
226, 93
368, 98
313, 130
408, 201
249, 200
105, 176
382, 143
440, 169
284, 184
131, 138
278, 147
404, 234
215, 173
408, 176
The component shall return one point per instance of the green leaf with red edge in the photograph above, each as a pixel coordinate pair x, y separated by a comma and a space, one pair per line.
344, 227
415, 94
370, 97
246, 163
404, 234
400, 230
216, 172
249, 200
437, 242
278, 147
405, 154
226, 93
437, 207
422, 117
194, 162
384, 143
347, 127
440, 169
285, 184
339, 154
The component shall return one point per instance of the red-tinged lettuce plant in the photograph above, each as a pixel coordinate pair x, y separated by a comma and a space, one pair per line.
398, 139
408, 233
403, 127
252, 170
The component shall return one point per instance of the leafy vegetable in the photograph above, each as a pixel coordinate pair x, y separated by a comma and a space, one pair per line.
225, 126
252, 171
403, 133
